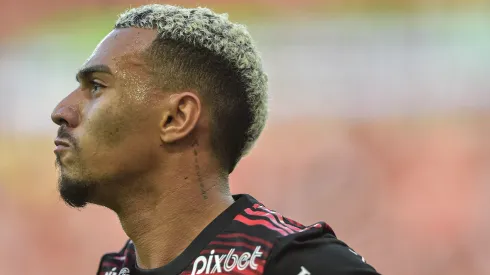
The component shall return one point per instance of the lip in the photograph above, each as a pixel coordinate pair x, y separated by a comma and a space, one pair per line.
61, 145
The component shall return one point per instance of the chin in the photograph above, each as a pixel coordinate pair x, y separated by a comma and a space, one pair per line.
74, 192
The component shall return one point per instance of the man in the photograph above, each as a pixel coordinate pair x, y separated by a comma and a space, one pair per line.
168, 103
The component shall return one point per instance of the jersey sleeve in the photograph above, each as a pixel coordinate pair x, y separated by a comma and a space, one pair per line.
325, 255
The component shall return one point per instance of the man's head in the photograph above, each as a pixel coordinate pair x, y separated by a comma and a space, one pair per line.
166, 78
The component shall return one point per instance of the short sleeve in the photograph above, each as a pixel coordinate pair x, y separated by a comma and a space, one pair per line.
325, 255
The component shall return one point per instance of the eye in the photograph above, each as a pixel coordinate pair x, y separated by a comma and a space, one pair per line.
95, 87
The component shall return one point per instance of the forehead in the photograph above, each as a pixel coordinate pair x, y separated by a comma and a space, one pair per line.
120, 44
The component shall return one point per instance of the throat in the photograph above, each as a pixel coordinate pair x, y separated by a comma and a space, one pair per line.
162, 229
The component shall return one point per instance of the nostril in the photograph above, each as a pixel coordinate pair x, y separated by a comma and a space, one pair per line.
59, 120
62, 121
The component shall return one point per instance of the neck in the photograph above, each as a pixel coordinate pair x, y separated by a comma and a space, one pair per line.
163, 222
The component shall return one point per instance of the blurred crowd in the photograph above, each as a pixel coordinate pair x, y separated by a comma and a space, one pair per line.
380, 126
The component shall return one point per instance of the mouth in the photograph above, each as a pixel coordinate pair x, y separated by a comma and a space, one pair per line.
61, 145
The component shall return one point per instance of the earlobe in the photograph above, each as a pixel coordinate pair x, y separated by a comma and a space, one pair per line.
180, 117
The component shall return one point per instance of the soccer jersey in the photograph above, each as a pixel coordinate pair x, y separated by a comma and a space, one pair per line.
248, 238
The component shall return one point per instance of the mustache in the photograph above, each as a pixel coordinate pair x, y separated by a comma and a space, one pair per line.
63, 133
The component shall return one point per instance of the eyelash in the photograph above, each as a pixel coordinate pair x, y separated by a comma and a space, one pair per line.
95, 85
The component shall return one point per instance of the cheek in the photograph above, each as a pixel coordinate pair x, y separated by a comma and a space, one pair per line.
106, 125
123, 154
99, 133
117, 141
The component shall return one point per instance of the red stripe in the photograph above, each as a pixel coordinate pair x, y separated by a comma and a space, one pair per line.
245, 271
260, 265
271, 217
297, 224
109, 264
245, 236
249, 222
280, 218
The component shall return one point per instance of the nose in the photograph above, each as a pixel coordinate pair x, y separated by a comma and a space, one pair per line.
67, 112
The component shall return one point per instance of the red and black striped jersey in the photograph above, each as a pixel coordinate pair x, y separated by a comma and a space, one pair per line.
248, 238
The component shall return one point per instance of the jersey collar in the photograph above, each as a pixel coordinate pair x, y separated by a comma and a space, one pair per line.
182, 261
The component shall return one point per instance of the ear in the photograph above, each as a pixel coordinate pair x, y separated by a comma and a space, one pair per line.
182, 112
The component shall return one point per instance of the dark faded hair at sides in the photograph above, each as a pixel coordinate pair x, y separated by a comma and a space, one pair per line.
204, 29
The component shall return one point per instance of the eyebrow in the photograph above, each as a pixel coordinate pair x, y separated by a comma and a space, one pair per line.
86, 71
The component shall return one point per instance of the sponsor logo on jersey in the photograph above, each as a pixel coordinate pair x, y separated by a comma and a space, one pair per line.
124, 271
220, 263
112, 272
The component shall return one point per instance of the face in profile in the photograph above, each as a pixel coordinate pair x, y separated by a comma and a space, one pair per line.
108, 129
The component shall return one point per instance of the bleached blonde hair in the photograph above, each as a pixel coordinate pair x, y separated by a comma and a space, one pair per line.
231, 43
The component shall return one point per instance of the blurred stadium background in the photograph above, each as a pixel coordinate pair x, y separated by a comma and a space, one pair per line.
380, 125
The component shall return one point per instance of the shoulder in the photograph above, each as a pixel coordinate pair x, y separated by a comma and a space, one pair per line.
315, 250
301, 250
